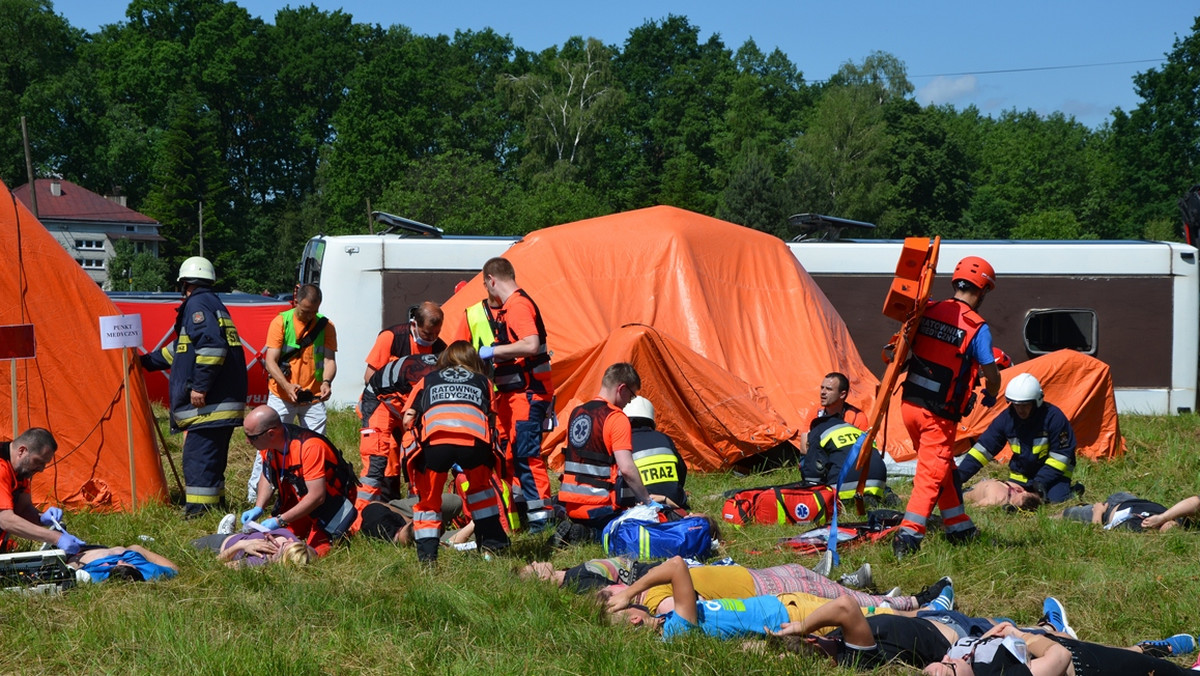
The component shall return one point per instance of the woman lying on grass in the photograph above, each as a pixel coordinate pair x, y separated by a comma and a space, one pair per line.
724, 617
257, 549
723, 582
122, 563
1126, 511
949, 644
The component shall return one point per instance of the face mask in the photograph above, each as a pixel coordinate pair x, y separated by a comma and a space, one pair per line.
417, 337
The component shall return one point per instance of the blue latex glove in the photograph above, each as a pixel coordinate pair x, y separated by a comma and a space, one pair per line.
69, 543
656, 504
251, 514
51, 515
989, 399
271, 523
486, 351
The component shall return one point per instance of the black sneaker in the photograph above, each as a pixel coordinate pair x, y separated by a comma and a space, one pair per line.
905, 544
932, 591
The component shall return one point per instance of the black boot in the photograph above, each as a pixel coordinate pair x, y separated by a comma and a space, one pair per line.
427, 550
490, 535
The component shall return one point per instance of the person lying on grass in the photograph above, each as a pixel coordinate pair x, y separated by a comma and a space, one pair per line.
1010, 651
258, 548
134, 563
723, 617
996, 493
1126, 511
393, 521
936, 640
716, 582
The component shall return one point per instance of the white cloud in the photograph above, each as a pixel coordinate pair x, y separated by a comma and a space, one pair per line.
948, 89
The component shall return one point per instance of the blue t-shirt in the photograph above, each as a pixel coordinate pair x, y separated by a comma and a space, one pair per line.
100, 568
731, 618
980, 348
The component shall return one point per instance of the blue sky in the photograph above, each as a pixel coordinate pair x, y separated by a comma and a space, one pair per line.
957, 41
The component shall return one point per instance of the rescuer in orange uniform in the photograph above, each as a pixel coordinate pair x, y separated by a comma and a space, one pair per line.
599, 452
379, 450
521, 374
953, 345
384, 444
451, 410
311, 481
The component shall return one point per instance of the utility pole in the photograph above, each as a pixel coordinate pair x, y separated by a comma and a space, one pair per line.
201, 227
29, 170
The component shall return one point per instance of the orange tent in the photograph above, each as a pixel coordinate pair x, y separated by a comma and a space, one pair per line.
72, 387
1078, 384
736, 336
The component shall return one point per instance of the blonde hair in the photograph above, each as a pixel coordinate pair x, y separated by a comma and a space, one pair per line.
296, 554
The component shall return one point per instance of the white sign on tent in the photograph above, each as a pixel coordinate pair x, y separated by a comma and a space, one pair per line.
118, 331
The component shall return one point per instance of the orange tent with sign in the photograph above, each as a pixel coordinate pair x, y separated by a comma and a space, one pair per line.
72, 387
1078, 384
730, 335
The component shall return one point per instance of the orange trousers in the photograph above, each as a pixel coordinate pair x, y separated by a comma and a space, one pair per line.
519, 419
935, 481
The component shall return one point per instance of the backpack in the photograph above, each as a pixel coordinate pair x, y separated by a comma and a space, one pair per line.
689, 537
786, 504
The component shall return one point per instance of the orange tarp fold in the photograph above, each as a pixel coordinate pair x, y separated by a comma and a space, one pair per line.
73, 388
1078, 384
755, 331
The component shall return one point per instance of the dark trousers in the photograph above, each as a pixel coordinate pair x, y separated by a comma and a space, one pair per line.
205, 454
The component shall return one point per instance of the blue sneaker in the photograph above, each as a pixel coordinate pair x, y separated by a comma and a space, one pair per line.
1174, 646
944, 600
1055, 615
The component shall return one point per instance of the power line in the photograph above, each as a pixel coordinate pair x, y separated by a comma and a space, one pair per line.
1037, 68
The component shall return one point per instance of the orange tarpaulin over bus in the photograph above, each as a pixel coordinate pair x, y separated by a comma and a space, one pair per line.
735, 337
1078, 384
72, 387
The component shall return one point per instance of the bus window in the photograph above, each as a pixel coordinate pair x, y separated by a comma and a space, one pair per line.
310, 263
1050, 330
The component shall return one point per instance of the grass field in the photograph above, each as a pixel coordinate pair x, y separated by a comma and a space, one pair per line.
369, 608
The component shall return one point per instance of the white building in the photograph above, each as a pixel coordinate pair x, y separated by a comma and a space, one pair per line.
87, 225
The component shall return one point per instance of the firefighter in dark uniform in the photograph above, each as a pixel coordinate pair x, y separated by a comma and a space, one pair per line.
207, 385
829, 443
1039, 436
952, 347
658, 462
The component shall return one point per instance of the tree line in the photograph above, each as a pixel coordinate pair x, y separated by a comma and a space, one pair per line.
280, 130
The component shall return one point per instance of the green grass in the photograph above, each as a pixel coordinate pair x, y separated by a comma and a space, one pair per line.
369, 608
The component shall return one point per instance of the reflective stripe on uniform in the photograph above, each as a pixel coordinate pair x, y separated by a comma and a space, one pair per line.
589, 470
210, 356
203, 495
227, 410
980, 453
583, 490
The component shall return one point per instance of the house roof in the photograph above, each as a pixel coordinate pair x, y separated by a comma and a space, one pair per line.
77, 204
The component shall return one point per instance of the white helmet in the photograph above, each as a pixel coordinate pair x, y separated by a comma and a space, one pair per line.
1024, 388
640, 407
197, 270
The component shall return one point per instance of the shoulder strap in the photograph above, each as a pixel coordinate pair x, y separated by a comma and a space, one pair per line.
305, 340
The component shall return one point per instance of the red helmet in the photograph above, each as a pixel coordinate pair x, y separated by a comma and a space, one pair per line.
977, 271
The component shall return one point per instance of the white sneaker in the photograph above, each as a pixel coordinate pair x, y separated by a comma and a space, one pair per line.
226, 525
